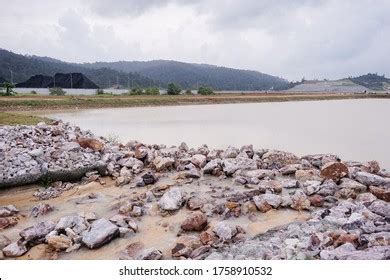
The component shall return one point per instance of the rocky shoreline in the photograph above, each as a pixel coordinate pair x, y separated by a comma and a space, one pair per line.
340, 209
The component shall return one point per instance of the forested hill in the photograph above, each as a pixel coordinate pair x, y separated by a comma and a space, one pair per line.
23, 67
372, 81
189, 75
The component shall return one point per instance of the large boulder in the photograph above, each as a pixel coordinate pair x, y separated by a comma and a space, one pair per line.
278, 159
300, 201
101, 232
195, 222
59, 242
171, 200
184, 246
263, 200
347, 183
134, 164
8, 211
380, 207
381, 193
74, 222
199, 160
225, 231
213, 167
15, 249
369, 179
38, 231
334, 170
230, 152
163, 163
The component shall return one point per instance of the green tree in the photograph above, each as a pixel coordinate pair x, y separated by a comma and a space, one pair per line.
173, 89
152, 91
8, 89
57, 91
205, 91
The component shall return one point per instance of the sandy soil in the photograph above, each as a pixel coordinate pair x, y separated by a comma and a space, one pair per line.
155, 230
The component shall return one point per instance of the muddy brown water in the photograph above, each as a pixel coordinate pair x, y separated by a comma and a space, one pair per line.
353, 129
154, 229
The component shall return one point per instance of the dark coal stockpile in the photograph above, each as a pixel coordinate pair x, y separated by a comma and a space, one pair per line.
73, 80
37, 81
63, 80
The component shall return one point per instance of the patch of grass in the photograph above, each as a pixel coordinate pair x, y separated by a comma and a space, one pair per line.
23, 119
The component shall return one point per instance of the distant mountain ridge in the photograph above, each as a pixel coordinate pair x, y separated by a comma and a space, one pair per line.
22, 67
192, 75
19, 68
130, 74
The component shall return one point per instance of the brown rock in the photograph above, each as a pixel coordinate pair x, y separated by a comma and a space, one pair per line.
371, 167
316, 200
59, 242
8, 222
195, 222
184, 246
346, 238
232, 205
334, 170
90, 143
380, 193
207, 238
163, 163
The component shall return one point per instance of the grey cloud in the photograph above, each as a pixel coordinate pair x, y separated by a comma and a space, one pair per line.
116, 8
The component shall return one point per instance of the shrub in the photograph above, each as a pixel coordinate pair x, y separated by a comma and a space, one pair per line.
100, 91
188, 91
205, 91
173, 89
33, 92
57, 91
152, 91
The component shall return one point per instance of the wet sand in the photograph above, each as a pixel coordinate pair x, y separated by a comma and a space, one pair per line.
155, 230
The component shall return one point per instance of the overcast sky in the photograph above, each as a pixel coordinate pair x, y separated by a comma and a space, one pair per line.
287, 38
